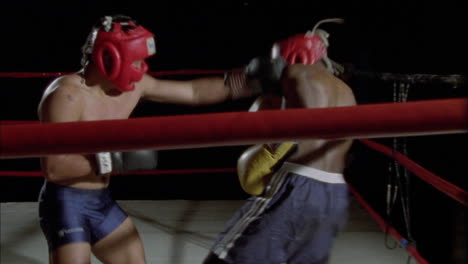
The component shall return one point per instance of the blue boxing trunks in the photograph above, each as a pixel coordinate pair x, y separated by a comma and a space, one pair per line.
294, 221
69, 215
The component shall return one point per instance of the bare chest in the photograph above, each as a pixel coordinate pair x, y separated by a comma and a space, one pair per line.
107, 108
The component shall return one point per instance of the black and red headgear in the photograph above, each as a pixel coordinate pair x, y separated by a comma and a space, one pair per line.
114, 45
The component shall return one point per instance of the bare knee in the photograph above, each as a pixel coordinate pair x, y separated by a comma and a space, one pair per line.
75, 253
123, 245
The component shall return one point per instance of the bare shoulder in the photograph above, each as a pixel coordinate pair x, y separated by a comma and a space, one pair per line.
336, 87
62, 97
315, 73
345, 93
317, 86
65, 88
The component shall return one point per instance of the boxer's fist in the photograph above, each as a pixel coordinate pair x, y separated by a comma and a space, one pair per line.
139, 160
261, 76
119, 162
267, 71
258, 162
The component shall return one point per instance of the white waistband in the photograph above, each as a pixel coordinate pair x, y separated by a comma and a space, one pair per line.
312, 173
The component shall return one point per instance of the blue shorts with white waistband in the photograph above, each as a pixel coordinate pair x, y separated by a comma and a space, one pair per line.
295, 223
69, 215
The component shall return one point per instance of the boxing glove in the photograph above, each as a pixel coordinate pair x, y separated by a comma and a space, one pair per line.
261, 75
107, 162
268, 71
259, 161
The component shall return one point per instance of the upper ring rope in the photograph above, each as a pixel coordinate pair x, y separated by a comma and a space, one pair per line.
21, 75
429, 117
455, 79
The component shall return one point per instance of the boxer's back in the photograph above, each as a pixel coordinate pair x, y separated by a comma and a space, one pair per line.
313, 86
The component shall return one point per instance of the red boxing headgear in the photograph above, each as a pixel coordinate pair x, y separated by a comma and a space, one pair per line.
305, 48
116, 50
302, 49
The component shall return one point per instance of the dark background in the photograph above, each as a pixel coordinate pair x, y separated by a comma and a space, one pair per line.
378, 36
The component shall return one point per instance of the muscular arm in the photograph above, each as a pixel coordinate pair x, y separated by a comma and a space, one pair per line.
202, 91
62, 103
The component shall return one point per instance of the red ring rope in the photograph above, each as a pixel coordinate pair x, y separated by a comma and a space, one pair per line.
458, 126
146, 172
442, 185
58, 74
428, 117
439, 183
384, 226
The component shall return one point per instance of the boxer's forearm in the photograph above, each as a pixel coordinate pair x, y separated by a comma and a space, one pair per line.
210, 90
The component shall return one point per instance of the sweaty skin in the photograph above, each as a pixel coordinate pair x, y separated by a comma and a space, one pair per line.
313, 86
304, 202
88, 97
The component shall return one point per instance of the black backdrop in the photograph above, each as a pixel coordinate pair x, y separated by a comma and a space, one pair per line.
378, 36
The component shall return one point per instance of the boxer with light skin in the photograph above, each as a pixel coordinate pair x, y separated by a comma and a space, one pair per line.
299, 199
77, 214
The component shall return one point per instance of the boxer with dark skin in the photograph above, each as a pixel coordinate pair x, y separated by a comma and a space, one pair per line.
77, 214
303, 204
313, 86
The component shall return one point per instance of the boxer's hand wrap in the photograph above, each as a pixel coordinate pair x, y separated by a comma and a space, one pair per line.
259, 161
238, 87
261, 75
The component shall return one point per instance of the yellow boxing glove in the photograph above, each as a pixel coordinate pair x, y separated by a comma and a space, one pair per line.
257, 162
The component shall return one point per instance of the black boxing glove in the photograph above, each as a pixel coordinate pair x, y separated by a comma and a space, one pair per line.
107, 162
267, 71
139, 160
261, 75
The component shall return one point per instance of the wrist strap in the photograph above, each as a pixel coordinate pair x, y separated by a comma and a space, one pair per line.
237, 83
104, 163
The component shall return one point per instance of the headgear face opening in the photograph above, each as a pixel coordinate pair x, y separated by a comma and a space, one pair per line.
115, 45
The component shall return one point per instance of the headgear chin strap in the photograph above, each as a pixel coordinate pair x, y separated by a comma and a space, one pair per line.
115, 46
